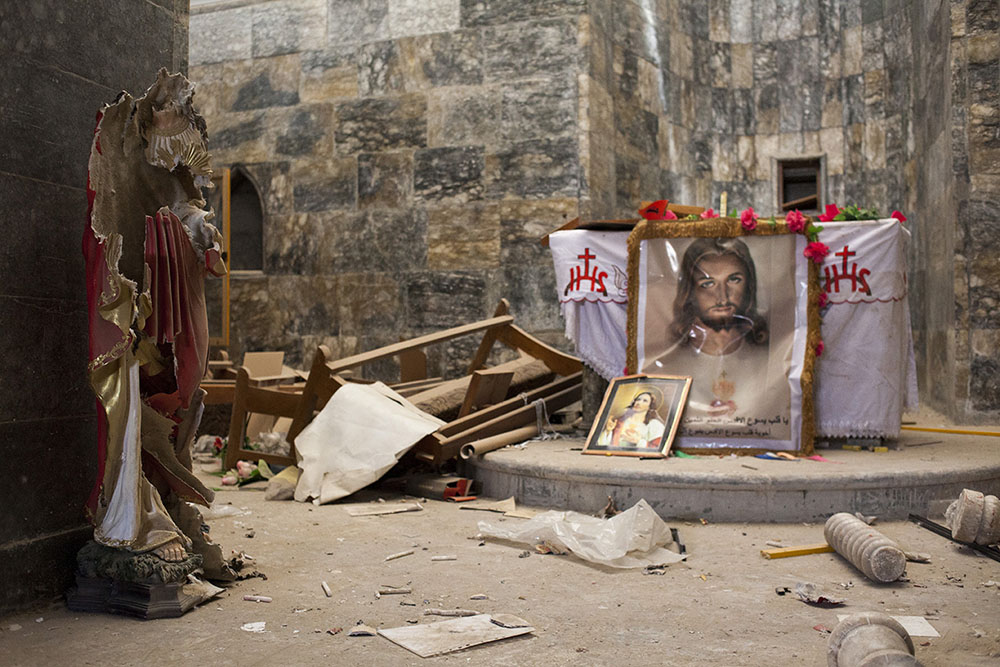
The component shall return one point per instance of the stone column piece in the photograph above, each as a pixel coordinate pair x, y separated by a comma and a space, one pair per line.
870, 639
870, 551
974, 517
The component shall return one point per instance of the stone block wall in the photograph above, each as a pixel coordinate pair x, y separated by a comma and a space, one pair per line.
478, 125
715, 91
63, 60
410, 155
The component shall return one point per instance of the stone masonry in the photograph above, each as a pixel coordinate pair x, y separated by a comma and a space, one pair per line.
409, 154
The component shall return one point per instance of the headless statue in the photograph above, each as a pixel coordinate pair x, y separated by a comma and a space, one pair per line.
148, 245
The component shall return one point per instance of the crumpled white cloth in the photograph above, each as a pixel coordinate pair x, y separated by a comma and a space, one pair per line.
359, 434
635, 538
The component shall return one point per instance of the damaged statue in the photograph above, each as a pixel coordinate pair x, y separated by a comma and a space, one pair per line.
148, 246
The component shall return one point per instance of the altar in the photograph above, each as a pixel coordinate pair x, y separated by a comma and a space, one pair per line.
866, 375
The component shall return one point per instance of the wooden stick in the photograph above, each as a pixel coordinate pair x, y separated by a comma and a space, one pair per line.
801, 550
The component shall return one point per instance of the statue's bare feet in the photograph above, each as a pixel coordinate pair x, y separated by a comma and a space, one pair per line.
172, 551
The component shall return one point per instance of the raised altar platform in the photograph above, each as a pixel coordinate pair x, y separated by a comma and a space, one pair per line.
926, 467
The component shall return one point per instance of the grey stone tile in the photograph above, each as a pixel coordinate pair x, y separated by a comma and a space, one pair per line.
495, 12
377, 124
443, 59
464, 116
448, 173
287, 26
438, 300
357, 21
262, 92
373, 239
307, 132
385, 180
538, 109
379, 69
334, 188
420, 17
242, 132
205, 29
538, 168
530, 49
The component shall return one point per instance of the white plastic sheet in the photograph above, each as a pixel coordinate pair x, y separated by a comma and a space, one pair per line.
354, 440
635, 538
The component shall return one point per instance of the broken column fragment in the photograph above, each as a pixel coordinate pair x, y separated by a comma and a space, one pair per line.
974, 517
870, 551
870, 638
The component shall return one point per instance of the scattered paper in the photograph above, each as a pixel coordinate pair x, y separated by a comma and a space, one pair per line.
506, 507
360, 433
453, 635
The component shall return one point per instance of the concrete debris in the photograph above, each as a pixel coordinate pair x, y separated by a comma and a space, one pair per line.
974, 517
399, 555
869, 638
876, 555
256, 598
450, 612
362, 630
326, 589
812, 594
256, 626
443, 558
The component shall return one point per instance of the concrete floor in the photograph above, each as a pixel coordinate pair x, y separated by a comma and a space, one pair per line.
718, 608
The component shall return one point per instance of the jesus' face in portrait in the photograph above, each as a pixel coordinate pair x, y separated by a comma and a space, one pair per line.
716, 305
720, 290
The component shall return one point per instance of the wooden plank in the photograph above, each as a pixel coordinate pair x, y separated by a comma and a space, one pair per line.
558, 362
412, 365
486, 414
489, 338
801, 550
487, 387
394, 349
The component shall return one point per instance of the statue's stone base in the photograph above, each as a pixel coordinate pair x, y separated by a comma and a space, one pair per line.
117, 581
146, 601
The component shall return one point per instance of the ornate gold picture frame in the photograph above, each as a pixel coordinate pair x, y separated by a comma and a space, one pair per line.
736, 310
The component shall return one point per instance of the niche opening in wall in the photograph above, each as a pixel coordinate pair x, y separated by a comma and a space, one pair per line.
246, 235
800, 184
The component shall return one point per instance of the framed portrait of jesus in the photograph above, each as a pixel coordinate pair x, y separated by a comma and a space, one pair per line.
735, 309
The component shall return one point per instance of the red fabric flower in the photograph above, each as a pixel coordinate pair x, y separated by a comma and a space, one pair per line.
656, 211
816, 251
819, 349
705, 215
831, 212
823, 298
668, 215
748, 219
899, 216
796, 221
